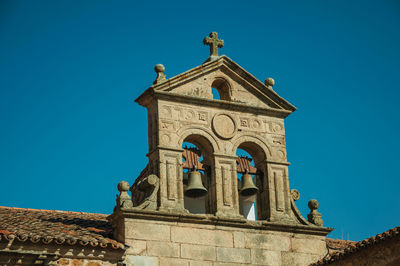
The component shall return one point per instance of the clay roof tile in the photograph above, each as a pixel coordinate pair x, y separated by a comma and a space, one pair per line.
60, 227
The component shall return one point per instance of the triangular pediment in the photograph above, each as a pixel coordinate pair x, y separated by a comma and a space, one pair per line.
235, 86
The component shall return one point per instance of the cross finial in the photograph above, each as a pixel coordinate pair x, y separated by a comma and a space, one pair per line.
214, 43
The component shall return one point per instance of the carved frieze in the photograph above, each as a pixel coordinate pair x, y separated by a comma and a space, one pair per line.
185, 115
165, 138
199, 92
166, 111
278, 140
275, 127
203, 116
167, 125
251, 124
224, 126
279, 154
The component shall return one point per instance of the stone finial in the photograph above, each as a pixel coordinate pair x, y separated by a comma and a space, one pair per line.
159, 68
314, 216
123, 199
269, 82
214, 43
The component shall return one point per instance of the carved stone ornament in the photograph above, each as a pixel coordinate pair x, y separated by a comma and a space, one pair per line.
314, 216
123, 199
269, 82
224, 126
159, 68
214, 43
146, 190
295, 194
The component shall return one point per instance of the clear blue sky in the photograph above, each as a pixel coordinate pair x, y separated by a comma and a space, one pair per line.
70, 70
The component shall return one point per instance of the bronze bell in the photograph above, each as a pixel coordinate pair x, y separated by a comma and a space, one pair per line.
195, 186
248, 187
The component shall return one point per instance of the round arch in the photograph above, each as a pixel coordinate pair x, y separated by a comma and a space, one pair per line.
255, 146
223, 87
200, 137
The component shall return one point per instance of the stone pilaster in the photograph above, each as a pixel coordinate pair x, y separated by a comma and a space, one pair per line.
277, 185
168, 167
226, 186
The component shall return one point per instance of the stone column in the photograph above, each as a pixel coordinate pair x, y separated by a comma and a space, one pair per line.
224, 185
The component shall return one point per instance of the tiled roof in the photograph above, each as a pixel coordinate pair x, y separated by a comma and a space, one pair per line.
379, 238
337, 245
60, 227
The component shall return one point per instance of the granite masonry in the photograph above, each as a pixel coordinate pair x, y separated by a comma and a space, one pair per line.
188, 206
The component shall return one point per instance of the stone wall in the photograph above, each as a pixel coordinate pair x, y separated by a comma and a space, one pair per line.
180, 243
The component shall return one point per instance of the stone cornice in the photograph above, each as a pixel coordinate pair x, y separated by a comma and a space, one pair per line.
221, 104
218, 221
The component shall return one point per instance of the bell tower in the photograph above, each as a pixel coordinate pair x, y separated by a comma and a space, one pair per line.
197, 123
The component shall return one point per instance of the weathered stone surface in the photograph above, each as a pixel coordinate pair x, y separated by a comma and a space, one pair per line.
198, 252
270, 242
266, 257
298, 259
238, 255
174, 262
200, 263
312, 246
228, 264
201, 236
136, 247
239, 240
200, 226
163, 249
141, 260
148, 231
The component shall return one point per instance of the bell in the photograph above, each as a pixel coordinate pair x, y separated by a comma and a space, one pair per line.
248, 187
195, 186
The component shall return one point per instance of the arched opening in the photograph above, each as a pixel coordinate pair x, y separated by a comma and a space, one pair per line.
196, 174
215, 94
250, 180
221, 89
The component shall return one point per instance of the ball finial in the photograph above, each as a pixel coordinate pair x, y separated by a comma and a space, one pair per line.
313, 204
269, 82
123, 186
159, 68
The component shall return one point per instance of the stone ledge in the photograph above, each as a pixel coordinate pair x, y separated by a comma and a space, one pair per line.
215, 220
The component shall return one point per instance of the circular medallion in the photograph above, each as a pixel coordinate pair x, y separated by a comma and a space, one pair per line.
224, 126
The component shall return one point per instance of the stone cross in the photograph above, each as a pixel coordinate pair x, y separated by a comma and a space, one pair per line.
214, 43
